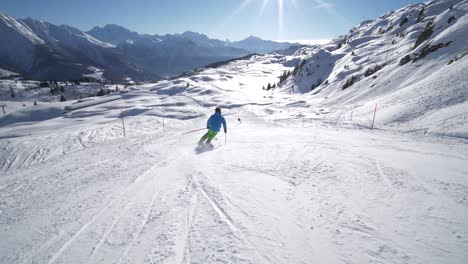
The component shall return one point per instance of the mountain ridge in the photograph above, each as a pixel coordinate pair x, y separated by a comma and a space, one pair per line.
41, 50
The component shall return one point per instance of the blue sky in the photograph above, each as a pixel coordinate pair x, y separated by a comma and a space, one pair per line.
233, 19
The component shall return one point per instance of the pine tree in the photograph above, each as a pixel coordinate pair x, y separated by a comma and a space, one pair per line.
44, 84
12, 91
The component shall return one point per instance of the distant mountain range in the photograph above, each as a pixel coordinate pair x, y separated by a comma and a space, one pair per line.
41, 50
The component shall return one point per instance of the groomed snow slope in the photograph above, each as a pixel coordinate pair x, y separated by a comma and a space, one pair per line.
270, 195
292, 185
299, 179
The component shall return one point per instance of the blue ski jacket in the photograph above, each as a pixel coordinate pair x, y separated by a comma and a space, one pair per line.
215, 121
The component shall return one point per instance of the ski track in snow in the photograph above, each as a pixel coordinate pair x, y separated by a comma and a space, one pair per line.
141, 228
277, 192
253, 201
85, 226
106, 234
382, 174
227, 219
69, 242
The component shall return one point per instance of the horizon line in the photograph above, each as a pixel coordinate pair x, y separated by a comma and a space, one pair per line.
306, 41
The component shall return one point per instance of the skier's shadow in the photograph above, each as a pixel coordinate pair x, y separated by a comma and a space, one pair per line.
202, 148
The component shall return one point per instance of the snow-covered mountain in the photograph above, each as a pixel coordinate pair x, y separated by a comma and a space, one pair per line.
300, 176
258, 45
403, 60
41, 50
167, 54
118, 35
175, 53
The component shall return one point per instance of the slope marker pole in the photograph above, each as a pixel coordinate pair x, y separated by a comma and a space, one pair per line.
373, 119
123, 123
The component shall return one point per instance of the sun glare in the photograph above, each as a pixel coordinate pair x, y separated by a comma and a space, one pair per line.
280, 18
262, 9
264, 4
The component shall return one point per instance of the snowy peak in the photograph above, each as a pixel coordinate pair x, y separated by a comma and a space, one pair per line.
40, 50
418, 32
258, 45
114, 34
409, 20
63, 34
253, 38
194, 35
202, 40
41, 33
411, 61
9, 24
118, 35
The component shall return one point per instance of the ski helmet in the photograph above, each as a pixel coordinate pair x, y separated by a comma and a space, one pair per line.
218, 110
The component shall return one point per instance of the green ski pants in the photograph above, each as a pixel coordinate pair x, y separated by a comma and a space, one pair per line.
209, 136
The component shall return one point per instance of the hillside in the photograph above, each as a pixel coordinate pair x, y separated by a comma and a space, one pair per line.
40, 50
411, 62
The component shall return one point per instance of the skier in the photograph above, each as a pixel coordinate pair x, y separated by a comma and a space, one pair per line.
214, 126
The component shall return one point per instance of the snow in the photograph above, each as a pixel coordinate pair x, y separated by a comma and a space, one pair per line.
21, 28
86, 103
298, 178
288, 186
272, 194
35, 104
95, 41
97, 74
7, 74
409, 96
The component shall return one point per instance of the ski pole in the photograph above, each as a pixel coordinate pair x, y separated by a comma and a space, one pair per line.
193, 131
225, 138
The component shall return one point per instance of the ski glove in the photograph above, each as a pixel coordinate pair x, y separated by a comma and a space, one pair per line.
225, 130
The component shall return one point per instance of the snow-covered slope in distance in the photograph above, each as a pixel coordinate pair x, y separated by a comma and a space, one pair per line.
411, 62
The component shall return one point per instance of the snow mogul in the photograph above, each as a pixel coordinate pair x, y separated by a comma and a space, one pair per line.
214, 126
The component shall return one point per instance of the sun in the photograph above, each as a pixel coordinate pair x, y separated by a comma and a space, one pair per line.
279, 6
